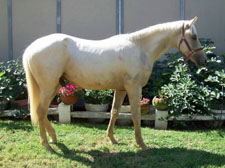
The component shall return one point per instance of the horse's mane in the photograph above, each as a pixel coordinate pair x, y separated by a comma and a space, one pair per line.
155, 29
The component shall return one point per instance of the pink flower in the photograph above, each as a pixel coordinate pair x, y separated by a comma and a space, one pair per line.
145, 101
69, 90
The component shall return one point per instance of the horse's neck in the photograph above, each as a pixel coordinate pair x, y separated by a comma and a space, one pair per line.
156, 42
161, 44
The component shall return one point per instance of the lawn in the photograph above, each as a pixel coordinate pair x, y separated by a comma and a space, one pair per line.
85, 145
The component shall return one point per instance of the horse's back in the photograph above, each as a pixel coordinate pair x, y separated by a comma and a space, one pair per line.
87, 63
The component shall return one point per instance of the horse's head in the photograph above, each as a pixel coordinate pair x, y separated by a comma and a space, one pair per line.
189, 43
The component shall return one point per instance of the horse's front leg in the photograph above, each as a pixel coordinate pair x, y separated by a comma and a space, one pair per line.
116, 106
134, 94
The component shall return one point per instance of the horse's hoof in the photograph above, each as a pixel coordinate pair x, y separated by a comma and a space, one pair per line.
115, 142
144, 147
49, 148
53, 141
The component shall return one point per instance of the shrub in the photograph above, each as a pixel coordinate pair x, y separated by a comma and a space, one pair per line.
185, 95
163, 70
189, 89
12, 80
98, 96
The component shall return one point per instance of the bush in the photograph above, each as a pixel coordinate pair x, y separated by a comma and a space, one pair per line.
12, 80
185, 95
98, 96
190, 90
163, 70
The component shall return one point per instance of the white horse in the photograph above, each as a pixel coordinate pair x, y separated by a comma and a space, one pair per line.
122, 62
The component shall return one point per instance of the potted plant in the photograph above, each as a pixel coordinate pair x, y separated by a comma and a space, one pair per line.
161, 111
97, 100
159, 102
145, 106
69, 93
13, 83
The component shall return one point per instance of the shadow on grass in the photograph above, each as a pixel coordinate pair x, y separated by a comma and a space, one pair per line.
154, 157
16, 125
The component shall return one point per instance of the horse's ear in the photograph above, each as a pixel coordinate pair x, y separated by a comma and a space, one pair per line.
191, 23
194, 20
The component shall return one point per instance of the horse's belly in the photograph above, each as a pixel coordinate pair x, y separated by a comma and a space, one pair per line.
97, 81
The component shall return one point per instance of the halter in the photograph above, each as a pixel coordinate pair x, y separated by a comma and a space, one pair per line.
191, 51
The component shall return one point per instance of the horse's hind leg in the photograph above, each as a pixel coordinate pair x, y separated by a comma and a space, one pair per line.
48, 126
117, 102
44, 102
51, 131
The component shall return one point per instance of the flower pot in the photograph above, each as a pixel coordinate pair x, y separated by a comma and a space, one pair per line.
161, 119
21, 103
145, 108
160, 103
96, 108
68, 100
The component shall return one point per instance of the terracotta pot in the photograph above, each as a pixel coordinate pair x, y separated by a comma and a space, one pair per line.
21, 103
68, 100
145, 108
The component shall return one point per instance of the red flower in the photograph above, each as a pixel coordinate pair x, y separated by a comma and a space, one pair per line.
70, 90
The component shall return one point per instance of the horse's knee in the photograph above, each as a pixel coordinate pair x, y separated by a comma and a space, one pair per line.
115, 112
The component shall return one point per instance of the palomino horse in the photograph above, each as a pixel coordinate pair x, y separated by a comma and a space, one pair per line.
122, 62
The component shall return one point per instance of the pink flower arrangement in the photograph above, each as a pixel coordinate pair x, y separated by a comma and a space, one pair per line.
70, 90
145, 101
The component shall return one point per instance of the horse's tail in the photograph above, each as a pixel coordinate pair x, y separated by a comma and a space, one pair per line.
33, 90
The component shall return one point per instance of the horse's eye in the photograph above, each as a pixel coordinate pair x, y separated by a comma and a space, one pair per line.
194, 37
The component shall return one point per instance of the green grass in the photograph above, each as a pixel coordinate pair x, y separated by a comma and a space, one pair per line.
85, 145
